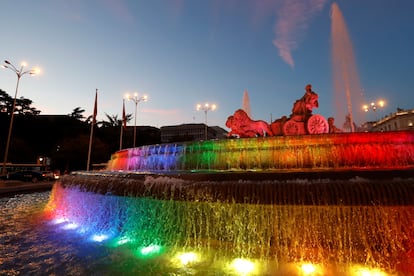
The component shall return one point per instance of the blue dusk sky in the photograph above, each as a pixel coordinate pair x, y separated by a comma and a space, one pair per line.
184, 52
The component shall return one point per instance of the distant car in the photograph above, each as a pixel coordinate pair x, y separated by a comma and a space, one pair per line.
48, 175
31, 176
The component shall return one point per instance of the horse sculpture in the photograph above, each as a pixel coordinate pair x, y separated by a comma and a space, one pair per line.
300, 122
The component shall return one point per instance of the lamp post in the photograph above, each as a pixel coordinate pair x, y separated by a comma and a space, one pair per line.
19, 73
136, 99
374, 106
206, 107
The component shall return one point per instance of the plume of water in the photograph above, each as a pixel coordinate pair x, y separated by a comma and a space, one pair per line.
345, 76
246, 103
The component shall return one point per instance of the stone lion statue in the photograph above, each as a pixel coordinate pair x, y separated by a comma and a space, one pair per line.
243, 126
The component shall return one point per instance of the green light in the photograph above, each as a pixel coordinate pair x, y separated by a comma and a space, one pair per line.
120, 241
123, 240
150, 250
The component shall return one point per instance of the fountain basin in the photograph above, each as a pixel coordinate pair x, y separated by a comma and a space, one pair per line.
368, 150
334, 201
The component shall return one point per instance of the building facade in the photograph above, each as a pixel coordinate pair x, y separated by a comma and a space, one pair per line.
400, 120
190, 132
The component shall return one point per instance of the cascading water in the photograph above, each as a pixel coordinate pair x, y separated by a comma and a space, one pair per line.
337, 204
392, 150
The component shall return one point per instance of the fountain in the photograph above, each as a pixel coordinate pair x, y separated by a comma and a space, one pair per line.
313, 203
340, 203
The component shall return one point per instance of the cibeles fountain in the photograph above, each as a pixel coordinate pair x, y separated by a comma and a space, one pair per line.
296, 196
327, 203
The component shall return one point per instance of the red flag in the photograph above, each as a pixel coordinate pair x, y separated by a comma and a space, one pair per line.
95, 108
123, 115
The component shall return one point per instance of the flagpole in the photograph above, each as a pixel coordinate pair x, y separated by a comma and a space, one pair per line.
95, 109
122, 124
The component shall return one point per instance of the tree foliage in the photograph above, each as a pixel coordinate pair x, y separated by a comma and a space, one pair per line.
113, 120
77, 113
22, 107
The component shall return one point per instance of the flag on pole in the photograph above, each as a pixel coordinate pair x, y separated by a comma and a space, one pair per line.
123, 115
95, 108
95, 111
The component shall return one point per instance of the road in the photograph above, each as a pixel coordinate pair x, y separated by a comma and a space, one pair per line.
8, 187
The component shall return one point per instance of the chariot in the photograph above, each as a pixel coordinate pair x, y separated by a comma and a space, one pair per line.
314, 124
300, 122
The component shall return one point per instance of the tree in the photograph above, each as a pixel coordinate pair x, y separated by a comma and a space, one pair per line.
77, 113
23, 105
64, 139
113, 120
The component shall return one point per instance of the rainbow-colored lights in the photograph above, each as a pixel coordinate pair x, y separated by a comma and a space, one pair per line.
234, 239
254, 226
323, 151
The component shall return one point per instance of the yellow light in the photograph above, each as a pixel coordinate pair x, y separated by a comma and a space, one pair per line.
187, 258
308, 269
366, 271
36, 71
243, 266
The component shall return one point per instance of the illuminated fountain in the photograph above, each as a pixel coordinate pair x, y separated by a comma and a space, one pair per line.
331, 203
319, 204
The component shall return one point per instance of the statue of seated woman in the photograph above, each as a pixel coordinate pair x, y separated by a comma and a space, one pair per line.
302, 108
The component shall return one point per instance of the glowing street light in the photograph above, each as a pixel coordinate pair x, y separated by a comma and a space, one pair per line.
373, 106
206, 107
19, 73
136, 99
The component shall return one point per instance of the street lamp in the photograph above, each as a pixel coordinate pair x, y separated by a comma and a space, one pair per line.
19, 73
206, 107
136, 99
373, 106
